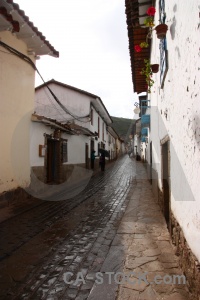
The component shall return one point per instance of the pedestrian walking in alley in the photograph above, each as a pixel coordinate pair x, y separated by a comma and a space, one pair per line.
92, 159
102, 162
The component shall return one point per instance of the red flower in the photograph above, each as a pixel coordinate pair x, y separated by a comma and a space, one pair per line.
151, 11
138, 48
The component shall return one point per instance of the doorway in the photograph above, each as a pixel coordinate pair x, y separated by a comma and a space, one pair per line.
91, 149
86, 156
166, 181
151, 175
53, 161
92, 145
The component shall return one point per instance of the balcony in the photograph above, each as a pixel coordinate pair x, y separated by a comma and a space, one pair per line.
144, 131
145, 120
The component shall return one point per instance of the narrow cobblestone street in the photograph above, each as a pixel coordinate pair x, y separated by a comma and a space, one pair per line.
114, 225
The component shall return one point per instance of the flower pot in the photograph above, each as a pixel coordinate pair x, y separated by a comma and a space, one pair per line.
161, 31
155, 68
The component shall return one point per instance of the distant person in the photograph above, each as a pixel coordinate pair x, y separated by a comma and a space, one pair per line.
92, 158
138, 158
102, 161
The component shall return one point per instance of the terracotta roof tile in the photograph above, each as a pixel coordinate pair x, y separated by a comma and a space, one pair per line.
21, 16
136, 35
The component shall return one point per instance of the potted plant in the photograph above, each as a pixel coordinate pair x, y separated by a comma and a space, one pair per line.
148, 73
161, 30
148, 22
155, 68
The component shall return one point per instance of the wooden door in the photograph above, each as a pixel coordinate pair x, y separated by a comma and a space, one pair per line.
86, 156
151, 173
53, 161
165, 181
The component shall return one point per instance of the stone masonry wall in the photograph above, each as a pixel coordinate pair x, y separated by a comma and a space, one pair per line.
188, 262
9, 197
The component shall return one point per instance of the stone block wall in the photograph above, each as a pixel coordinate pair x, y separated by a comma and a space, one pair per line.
9, 197
188, 262
65, 172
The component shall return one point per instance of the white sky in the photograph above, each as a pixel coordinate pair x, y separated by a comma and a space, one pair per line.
91, 37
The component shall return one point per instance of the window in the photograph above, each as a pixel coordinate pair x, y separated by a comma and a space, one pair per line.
109, 139
91, 116
162, 13
103, 131
64, 156
99, 146
163, 46
163, 61
98, 127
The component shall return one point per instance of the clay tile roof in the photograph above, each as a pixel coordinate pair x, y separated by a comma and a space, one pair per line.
11, 15
137, 34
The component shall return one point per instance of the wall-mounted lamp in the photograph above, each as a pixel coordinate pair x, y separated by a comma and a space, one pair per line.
136, 109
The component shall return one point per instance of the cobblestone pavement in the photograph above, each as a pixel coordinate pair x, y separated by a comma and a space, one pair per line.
39, 245
37, 215
54, 250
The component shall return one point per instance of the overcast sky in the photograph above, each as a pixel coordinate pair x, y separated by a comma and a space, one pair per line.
91, 37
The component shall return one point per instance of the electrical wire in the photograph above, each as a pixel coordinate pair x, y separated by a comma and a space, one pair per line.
29, 61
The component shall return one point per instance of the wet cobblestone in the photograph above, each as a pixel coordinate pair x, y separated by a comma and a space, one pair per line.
17, 231
100, 230
85, 247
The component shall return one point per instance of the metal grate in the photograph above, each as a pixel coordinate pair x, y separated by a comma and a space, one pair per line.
163, 46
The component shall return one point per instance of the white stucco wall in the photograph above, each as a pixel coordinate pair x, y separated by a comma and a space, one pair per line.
37, 138
94, 125
123, 148
76, 149
75, 145
178, 107
77, 103
17, 101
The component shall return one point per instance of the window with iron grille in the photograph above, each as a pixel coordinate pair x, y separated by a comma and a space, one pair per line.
109, 139
98, 127
64, 156
163, 46
91, 116
103, 131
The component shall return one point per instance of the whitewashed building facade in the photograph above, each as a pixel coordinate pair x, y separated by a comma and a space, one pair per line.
74, 121
175, 125
172, 143
20, 44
